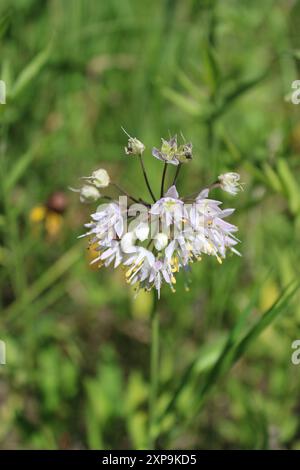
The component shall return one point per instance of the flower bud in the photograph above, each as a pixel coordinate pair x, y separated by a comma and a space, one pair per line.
229, 182
89, 193
160, 241
134, 147
185, 153
100, 178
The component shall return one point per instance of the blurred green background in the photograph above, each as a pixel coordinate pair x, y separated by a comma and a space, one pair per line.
77, 342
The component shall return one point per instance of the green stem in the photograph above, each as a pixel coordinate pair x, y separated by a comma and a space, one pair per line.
127, 194
146, 178
178, 168
163, 180
154, 371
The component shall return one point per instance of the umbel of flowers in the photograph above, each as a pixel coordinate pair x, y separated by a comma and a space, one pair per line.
154, 241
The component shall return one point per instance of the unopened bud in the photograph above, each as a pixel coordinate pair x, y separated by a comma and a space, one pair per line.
134, 147
100, 178
89, 193
230, 182
160, 241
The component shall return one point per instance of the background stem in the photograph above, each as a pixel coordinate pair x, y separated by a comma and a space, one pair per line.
146, 178
154, 375
178, 168
163, 180
126, 193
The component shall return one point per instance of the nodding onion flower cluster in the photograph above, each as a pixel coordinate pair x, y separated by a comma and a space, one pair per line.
165, 236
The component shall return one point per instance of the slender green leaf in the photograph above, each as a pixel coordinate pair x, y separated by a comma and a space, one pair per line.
5, 20
30, 72
290, 185
216, 366
19, 169
182, 102
240, 90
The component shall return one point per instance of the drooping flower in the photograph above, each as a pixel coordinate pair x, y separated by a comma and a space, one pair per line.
134, 146
89, 193
230, 182
172, 234
99, 178
107, 223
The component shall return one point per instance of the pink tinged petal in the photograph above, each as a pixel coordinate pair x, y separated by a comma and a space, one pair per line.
226, 226
119, 227
166, 276
157, 154
226, 213
173, 141
155, 209
172, 192
157, 281
174, 161
170, 249
106, 254
117, 261
203, 194
193, 215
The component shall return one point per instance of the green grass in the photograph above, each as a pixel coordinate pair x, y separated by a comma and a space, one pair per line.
77, 373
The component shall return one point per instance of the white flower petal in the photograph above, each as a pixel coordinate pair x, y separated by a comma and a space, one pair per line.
172, 192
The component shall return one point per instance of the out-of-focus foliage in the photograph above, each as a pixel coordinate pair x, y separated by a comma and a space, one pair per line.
77, 343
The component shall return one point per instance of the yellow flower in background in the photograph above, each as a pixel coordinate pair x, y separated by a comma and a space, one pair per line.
49, 217
37, 214
53, 223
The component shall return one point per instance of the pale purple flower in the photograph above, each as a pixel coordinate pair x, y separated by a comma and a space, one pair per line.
170, 209
178, 234
167, 152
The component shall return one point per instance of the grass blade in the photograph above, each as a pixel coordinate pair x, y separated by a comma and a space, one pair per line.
30, 72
